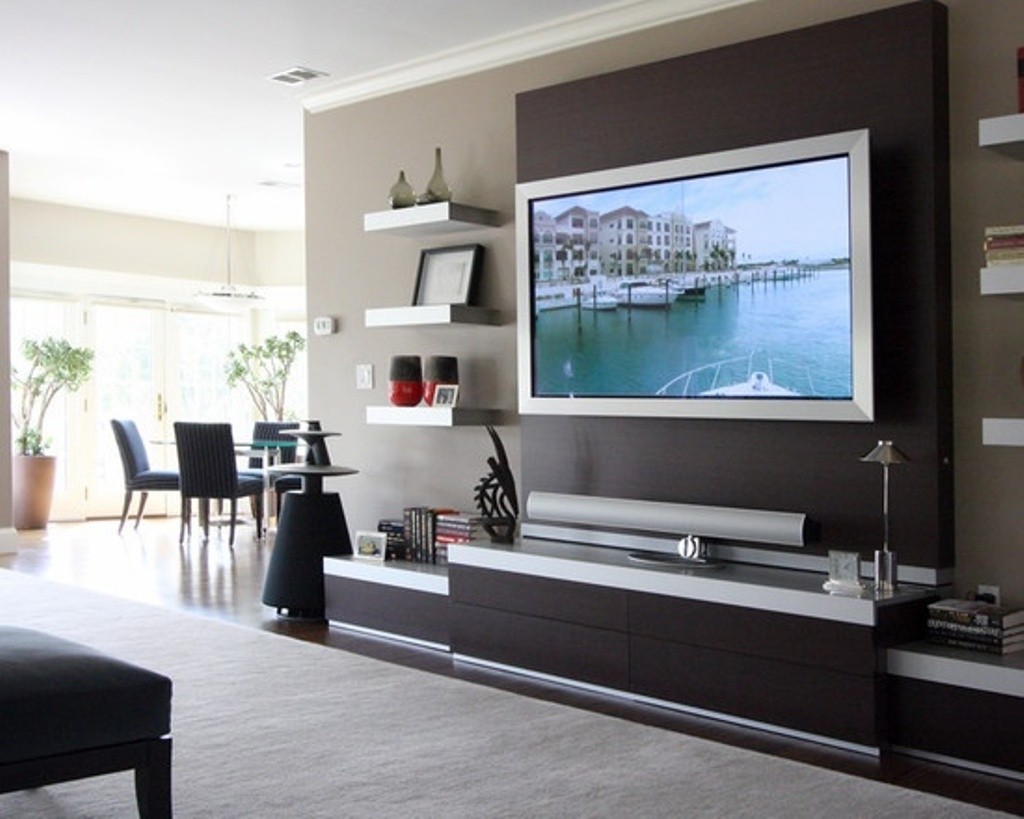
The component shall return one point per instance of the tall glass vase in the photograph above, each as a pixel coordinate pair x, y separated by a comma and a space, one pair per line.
437, 189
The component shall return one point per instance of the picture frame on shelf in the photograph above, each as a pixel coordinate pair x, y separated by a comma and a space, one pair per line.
448, 275
370, 546
843, 573
446, 395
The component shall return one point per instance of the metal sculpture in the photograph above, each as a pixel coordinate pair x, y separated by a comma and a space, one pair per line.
496, 497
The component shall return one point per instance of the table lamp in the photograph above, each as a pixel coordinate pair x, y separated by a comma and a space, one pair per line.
885, 561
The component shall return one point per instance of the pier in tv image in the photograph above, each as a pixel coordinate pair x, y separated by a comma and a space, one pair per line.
729, 285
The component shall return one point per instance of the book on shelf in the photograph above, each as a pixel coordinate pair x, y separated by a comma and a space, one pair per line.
976, 613
1013, 241
1001, 648
997, 258
419, 524
955, 629
1004, 230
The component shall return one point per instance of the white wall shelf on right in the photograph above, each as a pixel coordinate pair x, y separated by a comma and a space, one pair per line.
1002, 431
1002, 280
1004, 134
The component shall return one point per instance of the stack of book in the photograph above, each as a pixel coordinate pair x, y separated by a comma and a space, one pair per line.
397, 548
976, 625
418, 524
1004, 245
454, 527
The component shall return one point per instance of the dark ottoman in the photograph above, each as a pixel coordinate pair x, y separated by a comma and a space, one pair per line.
69, 711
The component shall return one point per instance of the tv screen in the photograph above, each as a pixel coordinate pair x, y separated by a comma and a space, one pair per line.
726, 285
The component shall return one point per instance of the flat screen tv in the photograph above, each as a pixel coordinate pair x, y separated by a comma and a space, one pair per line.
728, 285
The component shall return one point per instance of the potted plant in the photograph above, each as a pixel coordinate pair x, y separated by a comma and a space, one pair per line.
263, 370
50, 365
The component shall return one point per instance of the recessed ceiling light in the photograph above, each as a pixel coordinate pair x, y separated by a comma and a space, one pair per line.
297, 75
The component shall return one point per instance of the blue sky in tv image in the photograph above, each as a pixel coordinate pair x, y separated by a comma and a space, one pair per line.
747, 271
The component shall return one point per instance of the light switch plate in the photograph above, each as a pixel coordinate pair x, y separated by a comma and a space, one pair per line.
364, 376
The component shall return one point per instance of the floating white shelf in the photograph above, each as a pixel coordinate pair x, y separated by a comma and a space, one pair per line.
1005, 134
424, 416
430, 314
1002, 431
429, 220
1002, 280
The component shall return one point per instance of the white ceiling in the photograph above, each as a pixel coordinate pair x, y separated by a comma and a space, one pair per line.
164, 109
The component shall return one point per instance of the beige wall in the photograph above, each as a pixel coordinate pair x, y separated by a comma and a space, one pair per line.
77, 238
354, 154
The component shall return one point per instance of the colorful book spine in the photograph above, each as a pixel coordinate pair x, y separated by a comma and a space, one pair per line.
976, 613
974, 645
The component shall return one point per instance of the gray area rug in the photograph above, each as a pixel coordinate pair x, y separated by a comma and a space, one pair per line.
267, 726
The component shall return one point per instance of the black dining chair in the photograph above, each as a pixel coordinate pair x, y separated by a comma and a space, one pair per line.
206, 461
138, 476
270, 432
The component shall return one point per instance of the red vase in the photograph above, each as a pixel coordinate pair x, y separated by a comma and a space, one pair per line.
405, 393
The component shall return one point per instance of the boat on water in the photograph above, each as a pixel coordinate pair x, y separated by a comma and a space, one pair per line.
758, 385
645, 294
599, 301
755, 375
696, 293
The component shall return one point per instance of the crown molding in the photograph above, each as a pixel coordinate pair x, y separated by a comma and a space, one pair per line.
587, 27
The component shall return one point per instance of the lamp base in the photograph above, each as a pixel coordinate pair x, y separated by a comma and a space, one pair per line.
885, 570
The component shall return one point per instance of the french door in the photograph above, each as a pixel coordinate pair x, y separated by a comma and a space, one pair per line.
154, 365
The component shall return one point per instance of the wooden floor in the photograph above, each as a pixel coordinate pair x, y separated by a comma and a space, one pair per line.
214, 580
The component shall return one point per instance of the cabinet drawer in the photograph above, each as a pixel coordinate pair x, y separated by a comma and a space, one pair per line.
539, 597
591, 655
404, 612
979, 726
805, 640
814, 700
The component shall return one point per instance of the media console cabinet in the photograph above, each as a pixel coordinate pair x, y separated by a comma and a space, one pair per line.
761, 646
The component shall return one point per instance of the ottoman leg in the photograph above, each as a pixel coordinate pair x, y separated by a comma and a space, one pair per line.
153, 781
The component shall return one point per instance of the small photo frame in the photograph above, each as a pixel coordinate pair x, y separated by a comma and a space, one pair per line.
843, 572
446, 395
448, 275
370, 546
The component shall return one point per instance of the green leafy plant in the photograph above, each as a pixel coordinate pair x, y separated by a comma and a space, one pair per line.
51, 365
263, 370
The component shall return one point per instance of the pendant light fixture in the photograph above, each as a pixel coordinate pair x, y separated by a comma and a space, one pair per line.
228, 296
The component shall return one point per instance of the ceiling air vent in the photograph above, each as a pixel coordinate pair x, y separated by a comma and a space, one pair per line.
297, 75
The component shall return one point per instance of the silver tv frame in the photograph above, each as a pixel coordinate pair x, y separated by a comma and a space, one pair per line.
859, 407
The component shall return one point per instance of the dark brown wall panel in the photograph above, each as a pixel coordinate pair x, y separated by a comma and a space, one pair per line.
886, 71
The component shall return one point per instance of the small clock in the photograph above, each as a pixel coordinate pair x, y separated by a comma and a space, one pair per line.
843, 572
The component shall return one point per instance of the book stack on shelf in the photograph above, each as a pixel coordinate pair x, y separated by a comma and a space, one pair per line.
418, 524
454, 527
1004, 245
976, 625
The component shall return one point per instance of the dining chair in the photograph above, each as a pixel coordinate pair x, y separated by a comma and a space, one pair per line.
270, 432
206, 461
138, 476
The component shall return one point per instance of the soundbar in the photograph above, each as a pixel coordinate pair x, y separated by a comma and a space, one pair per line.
679, 519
